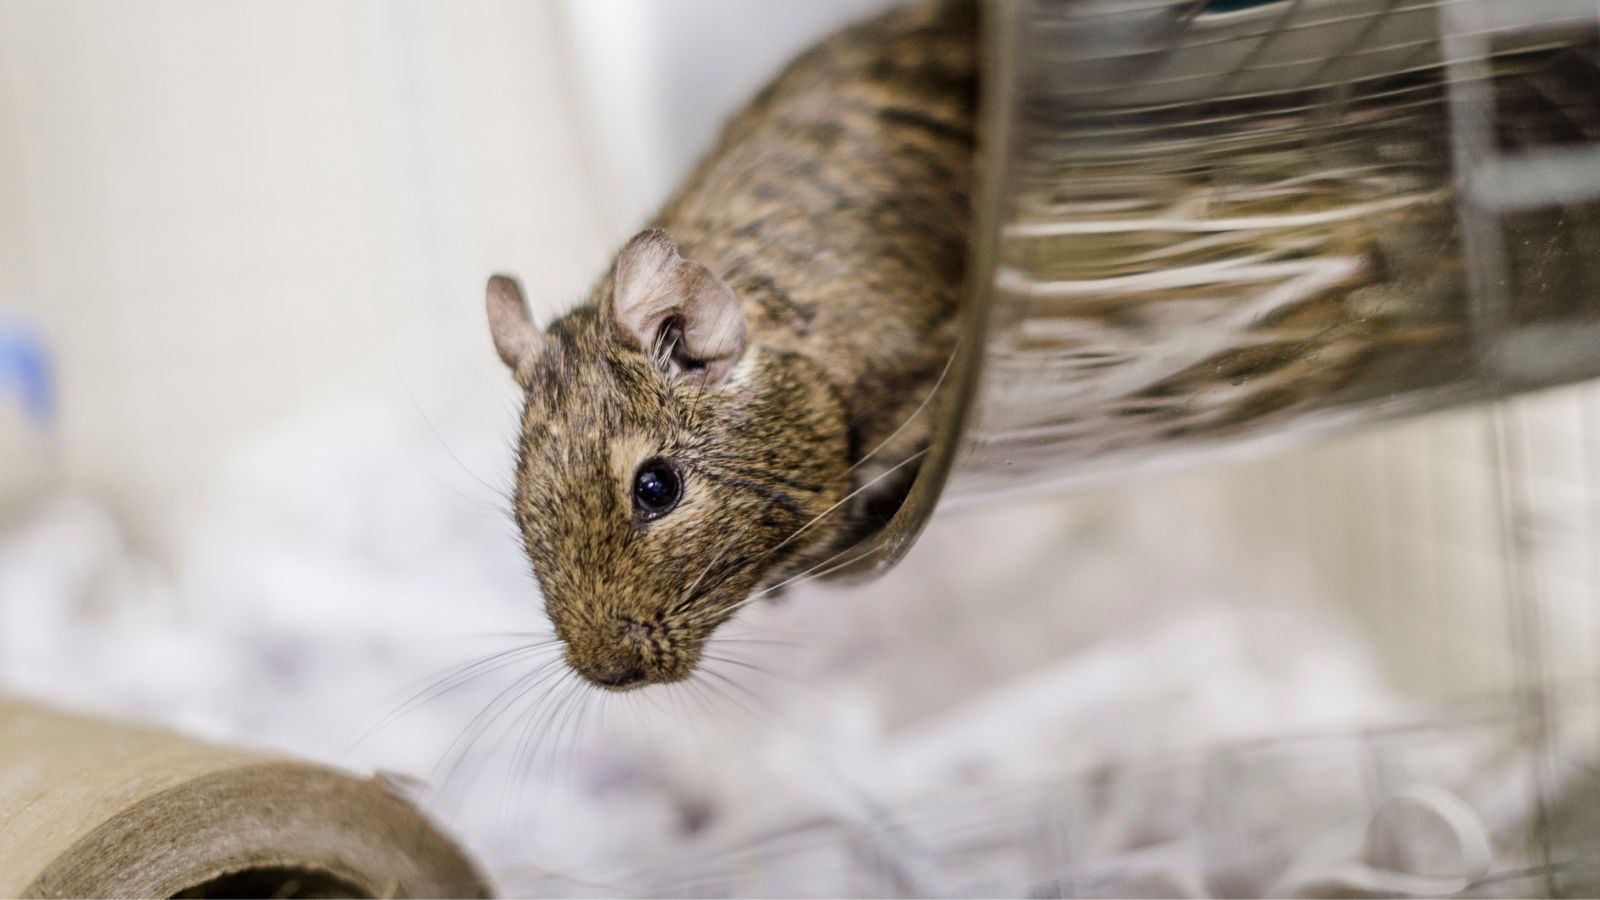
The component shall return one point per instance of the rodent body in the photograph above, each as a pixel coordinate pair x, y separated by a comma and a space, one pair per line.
748, 387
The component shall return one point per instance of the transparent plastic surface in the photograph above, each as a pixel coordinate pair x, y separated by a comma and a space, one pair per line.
1228, 224
1214, 227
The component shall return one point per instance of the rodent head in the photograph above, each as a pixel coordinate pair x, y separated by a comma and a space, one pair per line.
667, 467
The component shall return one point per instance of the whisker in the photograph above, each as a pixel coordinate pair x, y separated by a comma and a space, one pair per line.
806, 573
571, 700
820, 516
448, 680
852, 495
764, 712
793, 680
530, 733
726, 546
743, 664
676, 692
529, 737
500, 492
814, 573
547, 637
722, 576
595, 702
810, 572
546, 739
584, 699
726, 697
474, 730
932, 392
763, 642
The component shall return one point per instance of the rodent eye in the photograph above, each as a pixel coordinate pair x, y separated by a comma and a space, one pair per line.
656, 487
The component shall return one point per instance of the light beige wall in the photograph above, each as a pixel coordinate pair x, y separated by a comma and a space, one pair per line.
215, 210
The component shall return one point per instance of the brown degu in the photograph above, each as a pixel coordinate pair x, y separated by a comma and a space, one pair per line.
745, 395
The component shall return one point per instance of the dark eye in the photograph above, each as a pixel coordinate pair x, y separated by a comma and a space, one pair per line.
656, 488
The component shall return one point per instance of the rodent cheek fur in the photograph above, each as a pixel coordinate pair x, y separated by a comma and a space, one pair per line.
760, 458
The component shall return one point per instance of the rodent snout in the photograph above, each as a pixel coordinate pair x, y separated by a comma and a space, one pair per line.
617, 677
620, 663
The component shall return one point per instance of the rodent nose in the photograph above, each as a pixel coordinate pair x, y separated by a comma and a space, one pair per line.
617, 676
621, 664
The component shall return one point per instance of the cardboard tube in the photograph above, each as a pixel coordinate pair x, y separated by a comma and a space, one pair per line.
94, 809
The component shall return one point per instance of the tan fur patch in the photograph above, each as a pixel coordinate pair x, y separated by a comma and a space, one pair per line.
627, 452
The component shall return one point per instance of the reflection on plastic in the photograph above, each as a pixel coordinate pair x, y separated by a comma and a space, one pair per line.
1230, 229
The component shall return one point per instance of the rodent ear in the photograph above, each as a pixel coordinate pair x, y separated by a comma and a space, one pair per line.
515, 336
676, 309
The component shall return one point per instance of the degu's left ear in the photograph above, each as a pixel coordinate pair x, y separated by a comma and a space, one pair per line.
516, 338
676, 309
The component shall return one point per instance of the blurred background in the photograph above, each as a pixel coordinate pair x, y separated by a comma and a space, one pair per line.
255, 448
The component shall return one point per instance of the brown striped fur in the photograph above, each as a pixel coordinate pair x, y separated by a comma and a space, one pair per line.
835, 207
